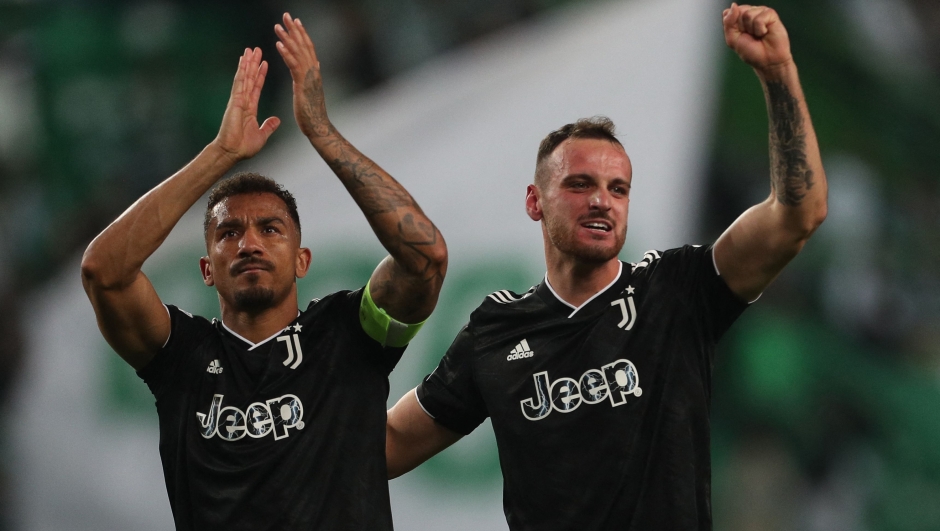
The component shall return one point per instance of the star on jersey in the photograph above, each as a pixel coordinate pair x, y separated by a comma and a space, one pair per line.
630, 290
297, 327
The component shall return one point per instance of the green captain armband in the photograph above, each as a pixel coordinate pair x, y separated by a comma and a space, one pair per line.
381, 326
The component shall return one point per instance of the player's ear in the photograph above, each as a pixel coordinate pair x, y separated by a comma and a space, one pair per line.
532, 205
206, 269
304, 257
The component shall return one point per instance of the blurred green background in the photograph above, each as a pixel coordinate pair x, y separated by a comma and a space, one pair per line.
826, 411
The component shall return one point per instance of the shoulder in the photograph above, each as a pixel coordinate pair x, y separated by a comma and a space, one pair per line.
335, 300
182, 318
503, 302
678, 257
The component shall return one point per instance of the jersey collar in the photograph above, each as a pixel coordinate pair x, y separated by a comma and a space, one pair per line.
554, 301
252, 346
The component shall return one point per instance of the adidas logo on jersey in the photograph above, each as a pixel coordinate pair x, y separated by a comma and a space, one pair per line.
504, 297
522, 350
214, 367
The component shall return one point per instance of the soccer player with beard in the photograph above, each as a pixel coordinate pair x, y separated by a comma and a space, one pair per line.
598, 379
272, 418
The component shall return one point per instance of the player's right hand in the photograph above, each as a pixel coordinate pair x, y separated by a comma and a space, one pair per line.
240, 136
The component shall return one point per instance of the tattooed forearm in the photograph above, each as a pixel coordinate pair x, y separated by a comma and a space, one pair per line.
374, 191
313, 109
791, 176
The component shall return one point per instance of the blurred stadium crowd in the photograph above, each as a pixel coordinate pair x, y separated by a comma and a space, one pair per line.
825, 412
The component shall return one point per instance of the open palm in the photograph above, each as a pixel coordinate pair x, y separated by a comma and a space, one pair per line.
240, 135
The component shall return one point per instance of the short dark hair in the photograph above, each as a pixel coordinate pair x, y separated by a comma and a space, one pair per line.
249, 183
599, 127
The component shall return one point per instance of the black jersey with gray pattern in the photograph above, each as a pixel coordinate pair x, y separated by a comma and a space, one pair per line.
601, 412
285, 434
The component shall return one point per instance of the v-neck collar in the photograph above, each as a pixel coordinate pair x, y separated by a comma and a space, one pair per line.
252, 346
552, 298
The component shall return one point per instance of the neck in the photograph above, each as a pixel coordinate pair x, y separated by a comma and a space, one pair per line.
576, 281
258, 326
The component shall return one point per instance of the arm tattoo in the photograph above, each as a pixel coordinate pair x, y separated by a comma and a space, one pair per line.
374, 190
378, 193
415, 235
314, 107
790, 174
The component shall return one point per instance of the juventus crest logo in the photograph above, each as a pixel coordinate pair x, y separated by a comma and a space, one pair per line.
290, 350
627, 308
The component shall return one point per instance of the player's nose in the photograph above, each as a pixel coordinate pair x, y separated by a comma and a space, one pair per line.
250, 243
600, 199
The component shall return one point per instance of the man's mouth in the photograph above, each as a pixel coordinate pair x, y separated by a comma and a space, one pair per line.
252, 266
600, 225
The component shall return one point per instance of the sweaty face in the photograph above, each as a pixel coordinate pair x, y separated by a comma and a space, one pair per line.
585, 200
253, 249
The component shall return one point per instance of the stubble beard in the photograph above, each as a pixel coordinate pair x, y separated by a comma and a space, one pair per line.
563, 238
254, 299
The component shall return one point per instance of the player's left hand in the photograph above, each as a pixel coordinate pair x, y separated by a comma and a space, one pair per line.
300, 57
757, 35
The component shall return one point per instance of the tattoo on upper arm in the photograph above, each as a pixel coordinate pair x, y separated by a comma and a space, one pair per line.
405, 295
790, 174
416, 236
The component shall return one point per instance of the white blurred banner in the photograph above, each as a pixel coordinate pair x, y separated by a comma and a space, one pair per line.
461, 133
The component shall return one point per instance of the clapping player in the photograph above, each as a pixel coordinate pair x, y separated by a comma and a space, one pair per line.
270, 418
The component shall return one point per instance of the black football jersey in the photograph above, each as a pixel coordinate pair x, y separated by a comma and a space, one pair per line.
601, 412
285, 434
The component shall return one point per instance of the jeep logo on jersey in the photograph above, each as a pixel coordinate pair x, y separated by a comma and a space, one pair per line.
615, 381
259, 419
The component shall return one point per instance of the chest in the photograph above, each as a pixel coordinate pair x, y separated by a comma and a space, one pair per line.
305, 379
578, 367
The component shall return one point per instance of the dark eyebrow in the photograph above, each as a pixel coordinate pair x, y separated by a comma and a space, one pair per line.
269, 220
573, 176
229, 224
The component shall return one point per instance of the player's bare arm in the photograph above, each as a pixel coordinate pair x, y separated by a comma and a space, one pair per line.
407, 283
129, 312
756, 247
412, 436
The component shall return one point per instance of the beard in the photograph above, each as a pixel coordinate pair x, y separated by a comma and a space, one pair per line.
254, 299
562, 236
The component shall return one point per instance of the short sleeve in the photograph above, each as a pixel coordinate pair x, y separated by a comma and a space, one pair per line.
167, 368
692, 269
450, 394
348, 310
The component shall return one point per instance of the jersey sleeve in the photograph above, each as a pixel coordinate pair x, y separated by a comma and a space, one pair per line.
450, 394
385, 356
692, 269
168, 368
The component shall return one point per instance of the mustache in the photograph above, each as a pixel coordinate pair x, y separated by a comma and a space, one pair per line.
250, 262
